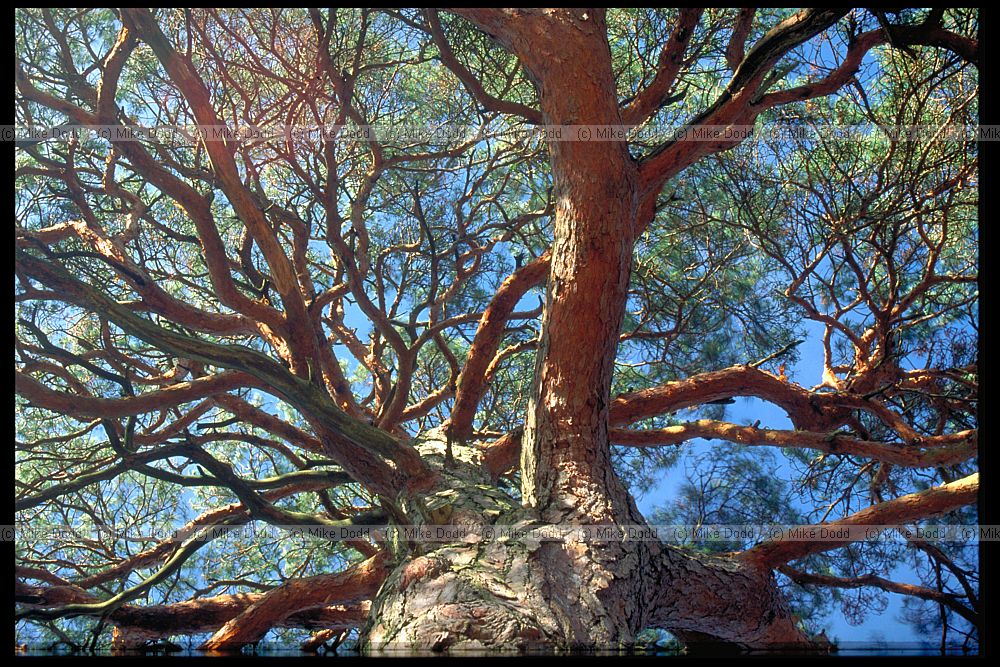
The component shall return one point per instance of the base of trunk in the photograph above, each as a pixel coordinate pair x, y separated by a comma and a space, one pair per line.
511, 594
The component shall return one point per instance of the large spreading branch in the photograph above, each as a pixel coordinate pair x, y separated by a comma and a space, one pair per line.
734, 105
136, 626
472, 380
353, 585
183, 74
932, 452
743, 99
168, 397
354, 444
902, 510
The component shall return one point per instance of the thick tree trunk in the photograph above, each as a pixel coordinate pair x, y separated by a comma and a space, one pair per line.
504, 593
507, 593
510, 594
565, 462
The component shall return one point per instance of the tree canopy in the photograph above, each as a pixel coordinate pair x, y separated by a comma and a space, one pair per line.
241, 316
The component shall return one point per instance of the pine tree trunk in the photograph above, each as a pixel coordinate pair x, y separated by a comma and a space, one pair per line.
503, 593
511, 594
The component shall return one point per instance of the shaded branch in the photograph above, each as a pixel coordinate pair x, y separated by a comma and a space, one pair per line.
874, 581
